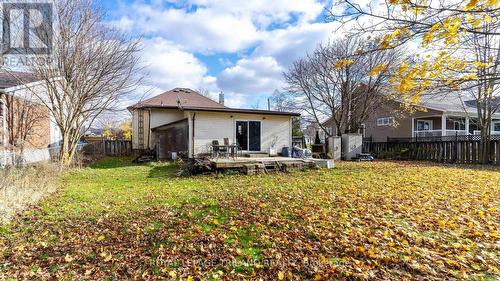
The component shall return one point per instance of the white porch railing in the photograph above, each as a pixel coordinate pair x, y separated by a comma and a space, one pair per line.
439, 133
449, 133
492, 132
427, 133
456, 132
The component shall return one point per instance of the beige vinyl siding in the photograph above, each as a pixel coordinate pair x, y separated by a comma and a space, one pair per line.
278, 129
160, 117
211, 126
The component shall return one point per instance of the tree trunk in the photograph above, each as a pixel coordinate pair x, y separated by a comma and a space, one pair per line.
64, 152
484, 146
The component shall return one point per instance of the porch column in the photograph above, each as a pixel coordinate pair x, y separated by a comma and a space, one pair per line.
443, 125
4, 134
467, 125
412, 127
4, 121
190, 136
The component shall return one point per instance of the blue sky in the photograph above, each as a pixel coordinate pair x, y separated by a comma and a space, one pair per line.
238, 47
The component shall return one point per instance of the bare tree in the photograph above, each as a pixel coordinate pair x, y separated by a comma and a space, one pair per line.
485, 90
281, 101
91, 67
255, 105
204, 92
464, 35
23, 116
337, 82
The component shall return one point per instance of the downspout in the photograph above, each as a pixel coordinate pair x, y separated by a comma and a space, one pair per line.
192, 136
149, 126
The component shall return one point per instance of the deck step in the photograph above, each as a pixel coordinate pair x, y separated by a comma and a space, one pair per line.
256, 155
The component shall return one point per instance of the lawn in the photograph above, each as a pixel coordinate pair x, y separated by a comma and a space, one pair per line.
387, 220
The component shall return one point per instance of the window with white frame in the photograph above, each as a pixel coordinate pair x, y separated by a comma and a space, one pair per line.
496, 126
385, 121
459, 125
424, 125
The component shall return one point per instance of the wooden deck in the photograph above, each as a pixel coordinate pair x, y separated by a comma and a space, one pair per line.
261, 164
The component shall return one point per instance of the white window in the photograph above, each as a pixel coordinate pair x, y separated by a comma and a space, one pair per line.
385, 121
424, 125
496, 126
458, 125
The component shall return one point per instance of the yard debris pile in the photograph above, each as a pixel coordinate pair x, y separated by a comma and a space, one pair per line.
360, 221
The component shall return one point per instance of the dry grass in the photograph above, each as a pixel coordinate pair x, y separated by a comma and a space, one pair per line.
22, 187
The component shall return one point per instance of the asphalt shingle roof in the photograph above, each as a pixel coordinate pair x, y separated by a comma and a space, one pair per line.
15, 78
187, 99
179, 97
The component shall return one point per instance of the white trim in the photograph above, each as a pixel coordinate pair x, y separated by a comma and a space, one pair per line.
493, 123
413, 127
431, 124
4, 121
443, 125
248, 135
4, 130
381, 121
427, 116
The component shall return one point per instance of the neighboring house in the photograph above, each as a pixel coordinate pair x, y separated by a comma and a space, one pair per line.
446, 116
17, 108
186, 122
310, 133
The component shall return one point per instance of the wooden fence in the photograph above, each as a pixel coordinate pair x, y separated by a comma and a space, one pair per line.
109, 148
117, 147
461, 151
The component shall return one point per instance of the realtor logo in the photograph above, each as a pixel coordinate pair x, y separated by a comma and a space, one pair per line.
27, 28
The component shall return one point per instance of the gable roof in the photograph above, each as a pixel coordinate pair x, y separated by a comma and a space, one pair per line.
15, 78
192, 100
179, 97
451, 103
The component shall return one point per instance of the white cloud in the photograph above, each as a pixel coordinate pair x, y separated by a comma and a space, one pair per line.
169, 66
216, 26
252, 76
269, 35
205, 30
235, 100
287, 45
263, 13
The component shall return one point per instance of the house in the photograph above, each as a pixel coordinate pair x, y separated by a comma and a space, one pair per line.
24, 122
436, 117
183, 121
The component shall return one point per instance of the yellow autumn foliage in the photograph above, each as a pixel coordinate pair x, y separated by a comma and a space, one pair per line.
379, 68
342, 63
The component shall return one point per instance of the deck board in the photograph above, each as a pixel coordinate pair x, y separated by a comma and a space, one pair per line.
230, 163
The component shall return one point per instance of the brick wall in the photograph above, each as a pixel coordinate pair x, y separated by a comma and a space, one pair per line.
35, 114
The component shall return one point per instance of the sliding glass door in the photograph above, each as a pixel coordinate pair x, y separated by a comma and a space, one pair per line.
248, 135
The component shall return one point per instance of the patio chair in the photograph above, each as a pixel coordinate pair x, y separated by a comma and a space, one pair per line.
227, 149
217, 150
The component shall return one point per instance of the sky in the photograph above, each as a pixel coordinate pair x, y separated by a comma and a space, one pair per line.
238, 47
